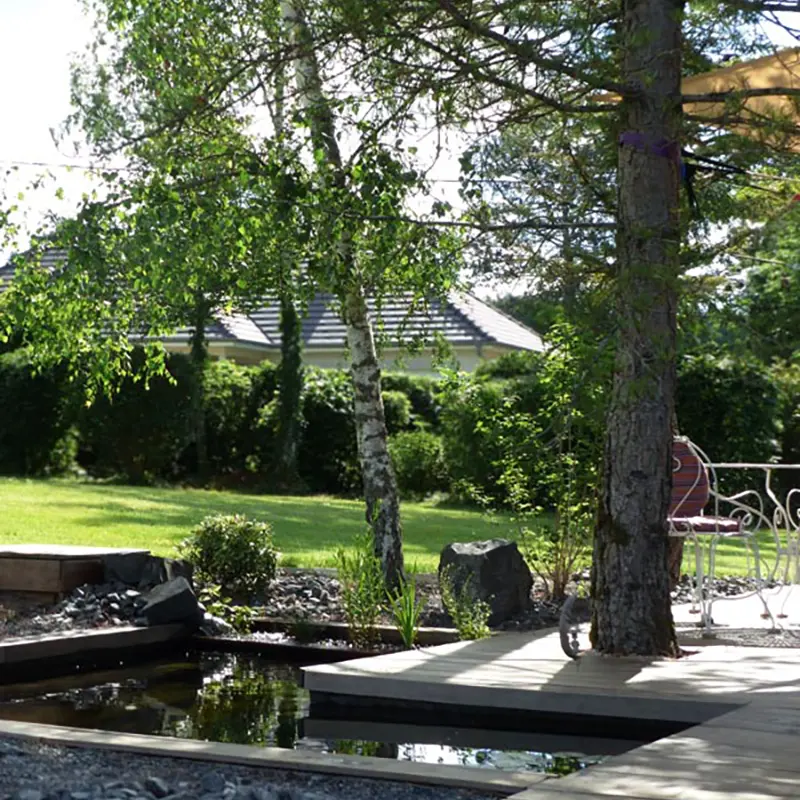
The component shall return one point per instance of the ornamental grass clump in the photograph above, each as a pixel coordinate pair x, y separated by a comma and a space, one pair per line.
406, 609
469, 614
362, 587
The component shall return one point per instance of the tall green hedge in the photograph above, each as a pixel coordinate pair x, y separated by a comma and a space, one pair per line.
38, 414
730, 409
139, 432
733, 410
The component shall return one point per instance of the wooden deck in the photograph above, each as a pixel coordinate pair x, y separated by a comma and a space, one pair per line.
743, 705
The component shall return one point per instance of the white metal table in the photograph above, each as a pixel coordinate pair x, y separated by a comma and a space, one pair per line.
781, 515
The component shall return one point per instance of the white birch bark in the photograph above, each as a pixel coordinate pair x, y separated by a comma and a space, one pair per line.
380, 485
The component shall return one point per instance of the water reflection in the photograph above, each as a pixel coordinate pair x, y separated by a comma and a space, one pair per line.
238, 699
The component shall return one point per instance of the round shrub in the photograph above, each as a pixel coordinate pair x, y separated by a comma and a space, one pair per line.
235, 552
418, 459
472, 449
397, 409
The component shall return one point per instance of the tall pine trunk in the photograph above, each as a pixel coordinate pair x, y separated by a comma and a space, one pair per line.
380, 484
630, 578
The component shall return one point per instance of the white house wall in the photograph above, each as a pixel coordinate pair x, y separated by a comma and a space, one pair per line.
392, 360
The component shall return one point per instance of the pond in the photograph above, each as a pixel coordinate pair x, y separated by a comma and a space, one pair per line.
248, 699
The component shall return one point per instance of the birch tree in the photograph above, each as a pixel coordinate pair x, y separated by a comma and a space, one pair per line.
184, 92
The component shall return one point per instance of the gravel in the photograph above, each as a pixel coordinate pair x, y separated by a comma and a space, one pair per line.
35, 771
299, 595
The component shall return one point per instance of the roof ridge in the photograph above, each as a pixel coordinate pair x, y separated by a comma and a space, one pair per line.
505, 314
456, 306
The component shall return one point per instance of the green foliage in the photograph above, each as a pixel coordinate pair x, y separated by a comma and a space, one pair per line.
328, 451
228, 415
421, 391
555, 549
362, 587
471, 411
787, 378
235, 552
39, 410
397, 410
238, 615
139, 432
419, 464
730, 409
507, 442
406, 609
469, 614
517, 363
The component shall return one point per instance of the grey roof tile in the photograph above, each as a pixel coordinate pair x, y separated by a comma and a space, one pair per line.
463, 319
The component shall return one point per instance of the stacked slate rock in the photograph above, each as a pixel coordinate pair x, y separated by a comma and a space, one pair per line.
138, 589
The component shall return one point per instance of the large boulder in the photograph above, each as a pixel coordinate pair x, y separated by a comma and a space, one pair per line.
142, 570
494, 571
172, 602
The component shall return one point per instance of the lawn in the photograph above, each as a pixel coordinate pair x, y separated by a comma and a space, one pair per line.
308, 530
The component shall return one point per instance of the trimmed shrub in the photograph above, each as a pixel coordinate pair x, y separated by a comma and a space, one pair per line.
228, 393
423, 394
139, 433
472, 449
729, 409
233, 551
517, 363
397, 409
39, 410
418, 459
328, 457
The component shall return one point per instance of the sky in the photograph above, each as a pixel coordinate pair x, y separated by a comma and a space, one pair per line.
37, 41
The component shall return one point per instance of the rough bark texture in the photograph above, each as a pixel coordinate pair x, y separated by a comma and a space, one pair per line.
630, 579
291, 387
380, 484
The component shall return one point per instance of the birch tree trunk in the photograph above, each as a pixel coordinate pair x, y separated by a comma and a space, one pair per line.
380, 484
630, 579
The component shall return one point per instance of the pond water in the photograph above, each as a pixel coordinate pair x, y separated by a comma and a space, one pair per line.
250, 700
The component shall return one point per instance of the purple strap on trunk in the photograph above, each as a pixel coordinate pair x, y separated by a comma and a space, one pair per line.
658, 147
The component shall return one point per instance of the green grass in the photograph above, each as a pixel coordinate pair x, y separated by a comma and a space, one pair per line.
731, 556
308, 530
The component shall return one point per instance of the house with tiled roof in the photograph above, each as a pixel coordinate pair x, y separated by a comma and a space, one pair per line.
474, 329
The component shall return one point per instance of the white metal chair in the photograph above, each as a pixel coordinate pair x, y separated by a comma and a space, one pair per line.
694, 483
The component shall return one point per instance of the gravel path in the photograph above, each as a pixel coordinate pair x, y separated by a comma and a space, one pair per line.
32, 771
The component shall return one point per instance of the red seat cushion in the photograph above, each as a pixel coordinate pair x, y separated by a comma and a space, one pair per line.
722, 526
690, 486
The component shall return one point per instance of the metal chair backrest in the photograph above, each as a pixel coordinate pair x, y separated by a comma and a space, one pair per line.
690, 484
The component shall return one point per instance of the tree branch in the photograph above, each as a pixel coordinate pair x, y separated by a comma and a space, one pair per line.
527, 54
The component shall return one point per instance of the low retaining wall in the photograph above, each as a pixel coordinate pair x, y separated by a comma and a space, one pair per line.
387, 634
